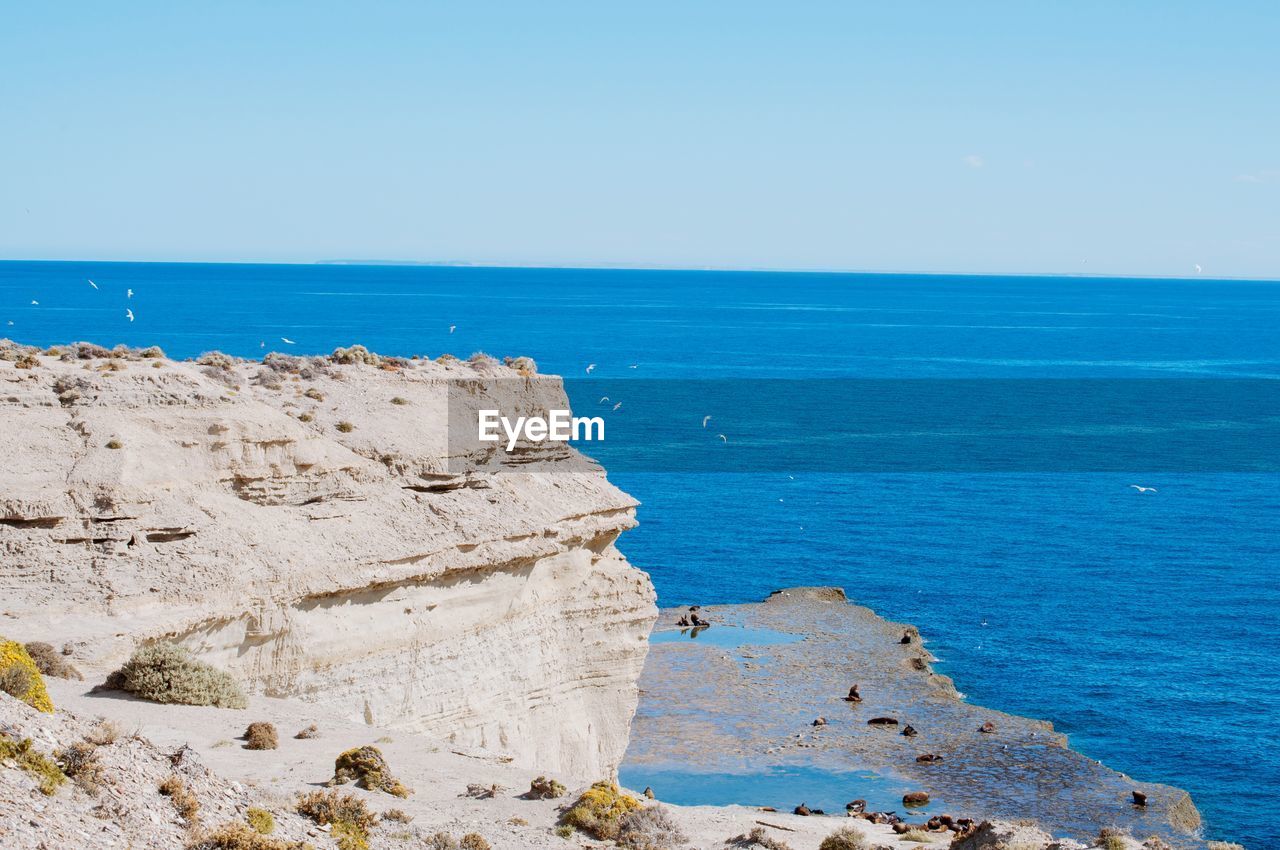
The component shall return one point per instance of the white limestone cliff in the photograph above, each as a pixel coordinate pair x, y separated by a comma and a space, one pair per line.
225, 505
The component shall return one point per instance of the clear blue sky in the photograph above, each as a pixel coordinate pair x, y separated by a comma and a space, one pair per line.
1020, 136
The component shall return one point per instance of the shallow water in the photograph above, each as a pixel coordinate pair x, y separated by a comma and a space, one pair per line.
1146, 628
726, 636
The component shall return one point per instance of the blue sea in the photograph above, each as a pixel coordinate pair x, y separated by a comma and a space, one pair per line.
1144, 625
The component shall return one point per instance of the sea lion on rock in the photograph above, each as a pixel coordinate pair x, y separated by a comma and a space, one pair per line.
802, 810
683, 621
987, 728
858, 806
821, 721
915, 798
909, 731
698, 621
900, 828
853, 696
929, 758
648, 792
882, 721
1139, 799
906, 638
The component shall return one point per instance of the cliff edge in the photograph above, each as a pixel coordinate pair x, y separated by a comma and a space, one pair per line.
300, 523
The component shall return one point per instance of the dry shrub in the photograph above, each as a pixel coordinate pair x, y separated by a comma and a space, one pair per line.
80, 762
650, 828
599, 810
397, 816
757, 837
313, 393
366, 767
261, 736
312, 731
355, 354
483, 792
473, 841
168, 673
50, 662
184, 802
104, 734
239, 836
846, 838
544, 788
442, 841
330, 807
345, 427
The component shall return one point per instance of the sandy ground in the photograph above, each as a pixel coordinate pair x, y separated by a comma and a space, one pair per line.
438, 774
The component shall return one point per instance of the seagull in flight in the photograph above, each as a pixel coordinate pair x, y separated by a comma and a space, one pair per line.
452, 328
287, 341
262, 344
634, 366
1198, 269
91, 283
590, 366
616, 406
723, 437
128, 293
1142, 489
128, 314
36, 303
705, 420
603, 399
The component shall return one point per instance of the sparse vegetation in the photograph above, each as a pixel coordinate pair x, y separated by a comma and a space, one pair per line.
238, 836
400, 400
397, 816
169, 673
184, 802
564, 831
848, 838
30, 760
261, 736
917, 835
345, 427
545, 788
330, 807
473, 841
313, 393
355, 354
483, 792
650, 828
757, 837
1112, 839
50, 662
305, 417
348, 836
80, 762
27, 361
312, 731
113, 443
20, 678
366, 767
441, 841
261, 820
104, 734
599, 810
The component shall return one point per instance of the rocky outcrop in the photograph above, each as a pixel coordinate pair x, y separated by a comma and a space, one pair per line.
309, 525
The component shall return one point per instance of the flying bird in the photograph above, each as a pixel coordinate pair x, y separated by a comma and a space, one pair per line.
723, 437
634, 366
603, 399
1142, 489
37, 303
616, 406
287, 341
452, 328
91, 283
590, 366
262, 344
128, 314
705, 420
1198, 269
128, 293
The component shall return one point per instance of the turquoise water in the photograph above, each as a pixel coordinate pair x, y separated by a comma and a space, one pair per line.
726, 636
1146, 626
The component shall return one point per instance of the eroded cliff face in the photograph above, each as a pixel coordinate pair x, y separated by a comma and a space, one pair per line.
300, 524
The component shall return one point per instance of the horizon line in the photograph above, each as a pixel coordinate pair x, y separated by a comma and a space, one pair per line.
462, 264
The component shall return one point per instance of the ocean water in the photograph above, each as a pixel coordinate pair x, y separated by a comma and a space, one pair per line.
1145, 626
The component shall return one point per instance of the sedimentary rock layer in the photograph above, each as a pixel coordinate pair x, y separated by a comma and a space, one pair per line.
300, 523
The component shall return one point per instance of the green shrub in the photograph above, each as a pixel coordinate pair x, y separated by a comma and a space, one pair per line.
330, 807
544, 788
366, 767
30, 760
168, 673
1111, 839
261, 820
598, 811
20, 678
345, 427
